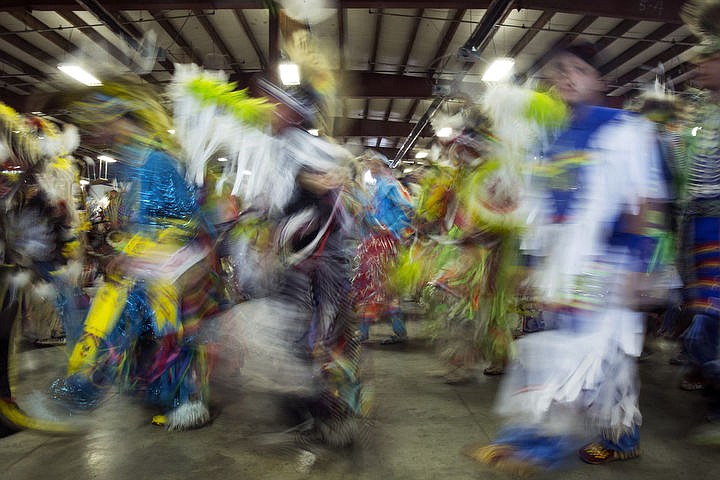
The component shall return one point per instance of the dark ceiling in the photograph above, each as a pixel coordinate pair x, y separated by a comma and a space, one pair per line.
398, 60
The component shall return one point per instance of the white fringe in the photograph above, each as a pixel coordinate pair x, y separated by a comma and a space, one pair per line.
188, 415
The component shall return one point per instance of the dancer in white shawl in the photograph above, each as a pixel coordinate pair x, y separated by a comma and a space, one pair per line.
594, 186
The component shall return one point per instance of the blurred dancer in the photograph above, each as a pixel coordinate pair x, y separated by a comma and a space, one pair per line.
594, 185
700, 226
142, 323
385, 224
39, 240
469, 220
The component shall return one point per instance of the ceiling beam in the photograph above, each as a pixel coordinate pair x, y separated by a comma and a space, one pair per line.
380, 85
23, 45
103, 43
483, 33
567, 38
176, 36
126, 22
16, 84
217, 40
240, 16
107, 19
452, 26
373, 54
273, 43
44, 30
666, 11
404, 61
21, 66
530, 34
359, 127
652, 63
496, 13
617, 31
640, 46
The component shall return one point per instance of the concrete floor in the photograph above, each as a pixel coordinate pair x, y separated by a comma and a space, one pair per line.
421, 424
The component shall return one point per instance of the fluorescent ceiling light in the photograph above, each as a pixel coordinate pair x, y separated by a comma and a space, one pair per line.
105, 158
289, 73
80, 74
421, 154
222, 159
444, 132
498, 70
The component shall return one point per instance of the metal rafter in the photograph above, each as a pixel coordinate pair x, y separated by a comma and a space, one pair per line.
450, 32
273, 43
21, 66
107, 19
240, 16
617, 31
95, 36
373, 59
358, 127
54, 37
639, 47
403, 62
15, 83
567, 38
23, 45
649, 10
685, 72
217, 40
453, 24
662, 57
176, 36
136, 33
496, 12
530, 34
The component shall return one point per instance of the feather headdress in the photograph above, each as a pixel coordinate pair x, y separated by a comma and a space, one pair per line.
703, 19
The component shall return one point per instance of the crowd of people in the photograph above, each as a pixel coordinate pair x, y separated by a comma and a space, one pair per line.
538, 239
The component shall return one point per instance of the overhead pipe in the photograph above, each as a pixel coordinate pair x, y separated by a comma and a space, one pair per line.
470, 50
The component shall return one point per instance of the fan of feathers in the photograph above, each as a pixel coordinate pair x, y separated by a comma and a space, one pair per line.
702, 18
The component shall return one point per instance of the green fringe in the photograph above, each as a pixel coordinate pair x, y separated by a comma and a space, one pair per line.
253, 111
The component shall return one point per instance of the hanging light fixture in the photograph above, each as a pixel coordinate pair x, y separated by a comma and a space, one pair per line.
500, 69
80, 74
289, 73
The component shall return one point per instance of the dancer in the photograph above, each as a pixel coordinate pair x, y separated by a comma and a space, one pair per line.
468, 219
700, 226
39, 244
595, 183
385, 224
142, 325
